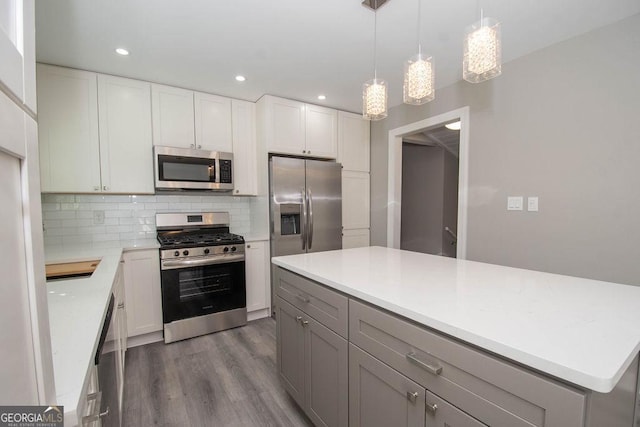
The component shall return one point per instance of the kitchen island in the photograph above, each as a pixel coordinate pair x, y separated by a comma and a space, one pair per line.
512, 329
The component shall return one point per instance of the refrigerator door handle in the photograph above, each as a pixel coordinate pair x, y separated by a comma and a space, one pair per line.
303, 225
310, 230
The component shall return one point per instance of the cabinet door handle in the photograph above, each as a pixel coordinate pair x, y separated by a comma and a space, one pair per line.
199, 146
435, 370
121, 305
248, 246
193, 145
304, 151
303, 298
237, 191
298, 318
431, 408
412, 396
105, 188
96, 188
305, 322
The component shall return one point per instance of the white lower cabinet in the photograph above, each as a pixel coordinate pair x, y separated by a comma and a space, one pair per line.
257, 275
143, 293
355, 209
355, 238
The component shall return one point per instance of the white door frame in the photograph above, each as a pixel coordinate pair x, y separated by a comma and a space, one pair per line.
394, 189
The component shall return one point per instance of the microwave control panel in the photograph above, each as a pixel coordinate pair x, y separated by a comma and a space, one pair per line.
225, 172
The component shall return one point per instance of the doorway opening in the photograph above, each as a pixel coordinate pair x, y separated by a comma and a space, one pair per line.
429, 214
403, 223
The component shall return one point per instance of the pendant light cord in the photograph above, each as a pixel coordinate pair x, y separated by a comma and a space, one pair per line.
375, 40
418, 29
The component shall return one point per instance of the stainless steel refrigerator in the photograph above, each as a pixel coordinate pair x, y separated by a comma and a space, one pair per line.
305, 207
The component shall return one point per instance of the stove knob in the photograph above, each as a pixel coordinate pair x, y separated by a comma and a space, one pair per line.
176, 253
226, 249
233, 248
185, 253
206, 251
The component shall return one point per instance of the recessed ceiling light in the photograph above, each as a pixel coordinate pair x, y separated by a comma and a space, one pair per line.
241, 78
121, 51
322, 97
453, 126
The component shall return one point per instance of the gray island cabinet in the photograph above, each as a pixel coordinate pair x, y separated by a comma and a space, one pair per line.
347, 360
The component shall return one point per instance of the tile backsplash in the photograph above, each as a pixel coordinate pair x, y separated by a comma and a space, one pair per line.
79, 218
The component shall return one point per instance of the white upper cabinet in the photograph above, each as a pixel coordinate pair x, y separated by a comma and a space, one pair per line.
292, 127
68, 130
213, 122
126, 152
245, 171
187, 119
173, 116
353, 142
321, 131
94, 133
285, 126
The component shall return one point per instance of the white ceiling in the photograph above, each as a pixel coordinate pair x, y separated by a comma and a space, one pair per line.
295, 48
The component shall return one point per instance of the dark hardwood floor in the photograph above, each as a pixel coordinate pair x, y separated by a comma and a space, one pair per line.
224, 379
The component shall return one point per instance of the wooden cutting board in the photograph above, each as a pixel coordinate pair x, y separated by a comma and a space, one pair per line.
71, 269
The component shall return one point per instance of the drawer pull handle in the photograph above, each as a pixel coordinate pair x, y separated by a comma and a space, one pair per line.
435, 370
305, 322
432, 408
303, 298
412, 396
298, 318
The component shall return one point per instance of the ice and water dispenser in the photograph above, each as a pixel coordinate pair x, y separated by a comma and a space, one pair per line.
290, 218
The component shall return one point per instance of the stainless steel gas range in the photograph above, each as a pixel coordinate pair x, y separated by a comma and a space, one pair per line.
202, 274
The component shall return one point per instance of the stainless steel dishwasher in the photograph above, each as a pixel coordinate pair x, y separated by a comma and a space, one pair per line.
106, 412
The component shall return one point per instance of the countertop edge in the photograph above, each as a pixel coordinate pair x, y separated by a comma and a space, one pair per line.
70, 397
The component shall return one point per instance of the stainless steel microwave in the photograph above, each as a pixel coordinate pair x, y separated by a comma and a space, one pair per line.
190, 169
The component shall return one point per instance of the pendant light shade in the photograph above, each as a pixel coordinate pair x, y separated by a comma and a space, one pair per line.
419, 79
374, 91
374, 99
482, 51
419, 76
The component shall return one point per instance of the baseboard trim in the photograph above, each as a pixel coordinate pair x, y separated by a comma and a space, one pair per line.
144, 339
258, 314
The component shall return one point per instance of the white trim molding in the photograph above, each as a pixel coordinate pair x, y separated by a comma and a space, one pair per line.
394, 188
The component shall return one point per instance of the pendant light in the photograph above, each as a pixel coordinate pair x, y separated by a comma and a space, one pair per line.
419, 75
374, 91
482, 59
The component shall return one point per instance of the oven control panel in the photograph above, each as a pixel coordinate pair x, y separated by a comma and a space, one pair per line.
204, 251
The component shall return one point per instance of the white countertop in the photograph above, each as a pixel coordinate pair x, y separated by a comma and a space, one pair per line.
77, 309
583, 331
61, 252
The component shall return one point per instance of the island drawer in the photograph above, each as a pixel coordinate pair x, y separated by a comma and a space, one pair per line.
324, 305
493, 390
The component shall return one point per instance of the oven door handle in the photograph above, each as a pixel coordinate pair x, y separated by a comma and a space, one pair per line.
172, 264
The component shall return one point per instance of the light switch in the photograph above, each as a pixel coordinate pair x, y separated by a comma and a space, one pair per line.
532, 204
514, 203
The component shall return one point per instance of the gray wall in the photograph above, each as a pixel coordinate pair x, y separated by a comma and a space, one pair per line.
562, 124
422, 198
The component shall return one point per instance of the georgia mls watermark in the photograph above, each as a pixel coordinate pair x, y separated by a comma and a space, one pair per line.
31, 416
